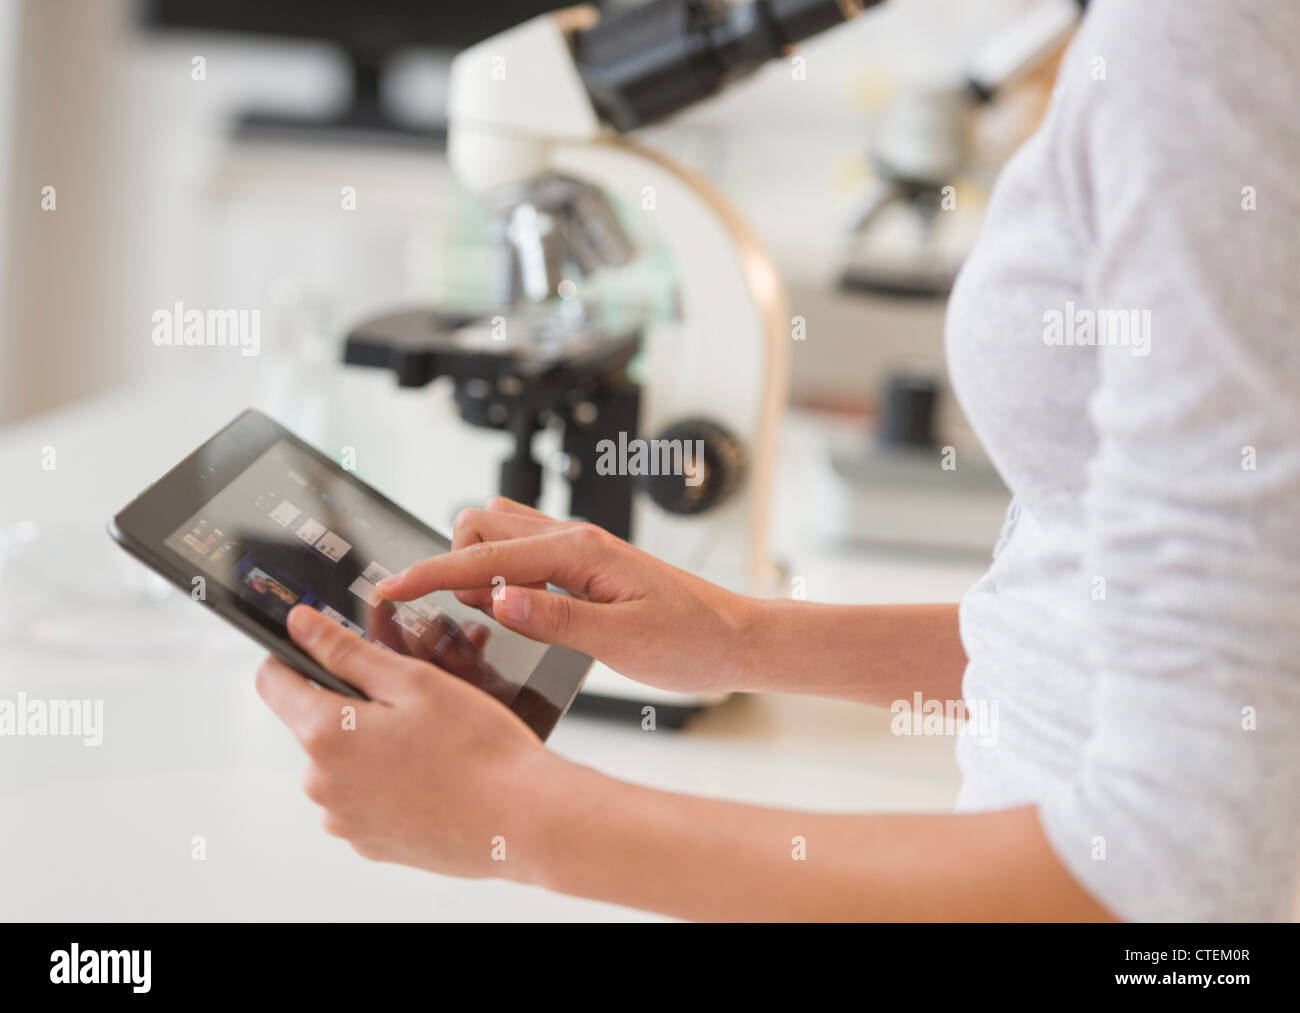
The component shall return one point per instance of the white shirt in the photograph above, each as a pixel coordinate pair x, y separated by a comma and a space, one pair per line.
1139, 628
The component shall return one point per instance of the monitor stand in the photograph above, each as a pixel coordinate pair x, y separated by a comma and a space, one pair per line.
365, 120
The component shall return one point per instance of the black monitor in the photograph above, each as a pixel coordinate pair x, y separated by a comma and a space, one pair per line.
368, 32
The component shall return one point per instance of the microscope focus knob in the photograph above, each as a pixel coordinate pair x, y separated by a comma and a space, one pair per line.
713, 466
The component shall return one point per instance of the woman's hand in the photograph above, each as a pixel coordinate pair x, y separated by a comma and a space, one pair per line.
429, 772
644, 618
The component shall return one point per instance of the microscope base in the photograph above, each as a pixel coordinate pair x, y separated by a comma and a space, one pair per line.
607, 694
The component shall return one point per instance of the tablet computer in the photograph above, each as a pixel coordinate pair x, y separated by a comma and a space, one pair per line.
256, 521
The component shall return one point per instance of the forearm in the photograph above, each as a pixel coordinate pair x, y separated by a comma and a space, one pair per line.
869, 653
697, 858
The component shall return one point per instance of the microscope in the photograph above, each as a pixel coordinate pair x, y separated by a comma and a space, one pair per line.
538, 118
923, 144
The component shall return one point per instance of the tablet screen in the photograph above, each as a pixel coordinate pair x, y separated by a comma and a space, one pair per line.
289, 531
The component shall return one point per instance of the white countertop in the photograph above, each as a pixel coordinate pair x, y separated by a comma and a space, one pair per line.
105, 833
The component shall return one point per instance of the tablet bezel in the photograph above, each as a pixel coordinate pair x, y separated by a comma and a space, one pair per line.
142, 526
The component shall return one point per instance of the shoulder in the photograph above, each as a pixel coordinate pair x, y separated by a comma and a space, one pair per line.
1190, 42
1190, 100
1170, 71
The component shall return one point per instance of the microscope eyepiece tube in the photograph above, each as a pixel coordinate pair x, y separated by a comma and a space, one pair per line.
644, 64
797, 20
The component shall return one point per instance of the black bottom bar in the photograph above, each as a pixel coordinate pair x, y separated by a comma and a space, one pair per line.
304, 961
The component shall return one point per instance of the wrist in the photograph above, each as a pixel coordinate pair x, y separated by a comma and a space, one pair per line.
751, 620
547, 791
